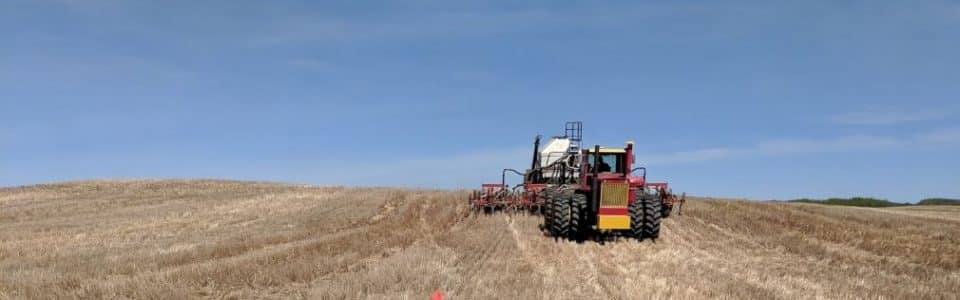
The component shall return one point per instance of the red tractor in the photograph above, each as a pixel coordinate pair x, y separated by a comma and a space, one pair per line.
606, 198
584, 192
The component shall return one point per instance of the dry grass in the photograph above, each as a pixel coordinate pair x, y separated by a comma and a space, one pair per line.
224, 239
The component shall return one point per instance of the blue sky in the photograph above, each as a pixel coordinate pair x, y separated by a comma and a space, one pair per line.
766, 100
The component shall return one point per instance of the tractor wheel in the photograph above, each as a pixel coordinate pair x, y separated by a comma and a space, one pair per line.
548, 196
636, 217
651, 217
578, 216
561, 216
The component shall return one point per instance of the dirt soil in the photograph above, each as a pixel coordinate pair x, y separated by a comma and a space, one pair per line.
176, 239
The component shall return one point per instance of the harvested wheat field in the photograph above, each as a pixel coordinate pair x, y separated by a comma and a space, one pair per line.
224, 239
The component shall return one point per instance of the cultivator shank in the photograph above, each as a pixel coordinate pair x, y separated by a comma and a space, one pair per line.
662, 191
496, 196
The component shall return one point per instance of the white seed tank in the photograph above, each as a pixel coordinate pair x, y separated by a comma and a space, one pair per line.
554, 150
551, 152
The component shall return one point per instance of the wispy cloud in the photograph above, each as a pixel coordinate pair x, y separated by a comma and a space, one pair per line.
313, 65
690, 156
946, 135
840, 144
453, 170
456, 19
111, 68
459, 170
888, 116
786, 147
299, 29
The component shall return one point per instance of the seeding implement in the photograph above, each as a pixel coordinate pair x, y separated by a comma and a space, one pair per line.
583, 191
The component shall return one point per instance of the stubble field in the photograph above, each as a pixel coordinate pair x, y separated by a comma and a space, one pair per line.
175, 239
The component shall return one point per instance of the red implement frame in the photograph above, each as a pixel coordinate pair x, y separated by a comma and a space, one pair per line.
667, 196
497, 196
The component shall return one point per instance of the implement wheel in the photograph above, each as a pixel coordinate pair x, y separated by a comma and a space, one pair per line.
665, 212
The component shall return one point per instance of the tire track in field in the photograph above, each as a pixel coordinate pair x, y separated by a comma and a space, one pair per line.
337, 233
524, 248
474, 261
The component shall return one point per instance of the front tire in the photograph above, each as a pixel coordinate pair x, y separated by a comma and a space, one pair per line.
651, 218
561, 216
635, 210
549, 198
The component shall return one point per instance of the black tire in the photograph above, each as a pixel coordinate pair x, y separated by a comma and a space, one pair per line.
635, 210
548, 209
665, 213
578, 216
651, 218
561, 216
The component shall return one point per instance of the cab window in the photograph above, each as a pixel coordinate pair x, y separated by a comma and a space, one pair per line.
609, 162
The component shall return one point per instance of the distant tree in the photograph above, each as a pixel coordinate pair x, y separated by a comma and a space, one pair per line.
939, 201
855, 201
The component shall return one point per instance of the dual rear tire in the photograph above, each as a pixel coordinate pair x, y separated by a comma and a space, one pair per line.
645, 217
563, 213
560, 225
548, 198
566, 215
579, 223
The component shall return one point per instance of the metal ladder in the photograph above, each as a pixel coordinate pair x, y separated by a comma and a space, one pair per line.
573, 131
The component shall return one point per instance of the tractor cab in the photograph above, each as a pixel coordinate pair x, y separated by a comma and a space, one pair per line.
606, 179
607, 163
609, 160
